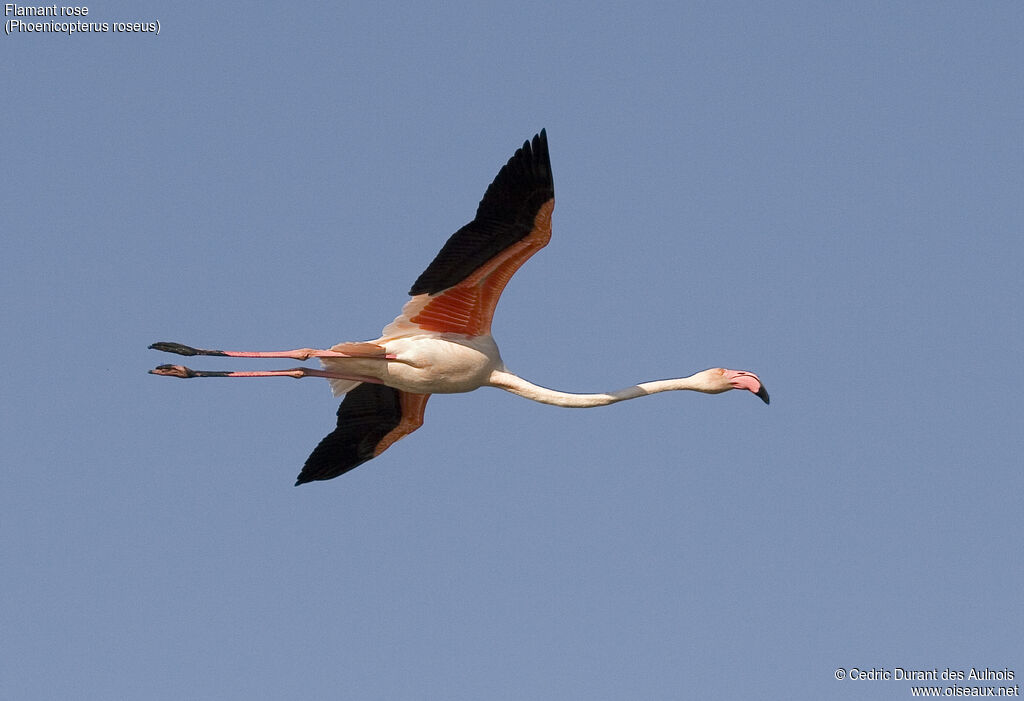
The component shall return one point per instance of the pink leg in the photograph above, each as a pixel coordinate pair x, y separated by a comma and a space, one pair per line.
348, 350
184, 372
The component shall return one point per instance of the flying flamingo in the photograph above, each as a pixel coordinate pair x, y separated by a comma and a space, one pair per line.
441, 342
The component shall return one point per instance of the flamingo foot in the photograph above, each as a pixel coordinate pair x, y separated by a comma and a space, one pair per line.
173, 371
182, 349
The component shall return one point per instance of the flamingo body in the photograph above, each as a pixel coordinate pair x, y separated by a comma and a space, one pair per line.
441, 342
442, 339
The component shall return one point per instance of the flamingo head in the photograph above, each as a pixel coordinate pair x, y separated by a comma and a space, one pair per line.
718, 380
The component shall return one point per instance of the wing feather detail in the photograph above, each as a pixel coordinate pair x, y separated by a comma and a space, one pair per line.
458, 291
370, 419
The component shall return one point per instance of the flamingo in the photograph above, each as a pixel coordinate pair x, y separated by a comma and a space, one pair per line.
441, 342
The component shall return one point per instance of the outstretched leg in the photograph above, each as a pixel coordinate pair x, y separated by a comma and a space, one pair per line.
185, 373
342, 350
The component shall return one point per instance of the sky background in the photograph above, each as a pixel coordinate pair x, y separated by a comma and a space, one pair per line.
828, 194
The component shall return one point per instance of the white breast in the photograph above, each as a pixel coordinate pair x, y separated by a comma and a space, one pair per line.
440, 363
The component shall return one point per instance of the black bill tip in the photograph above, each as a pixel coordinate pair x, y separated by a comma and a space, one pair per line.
763, 394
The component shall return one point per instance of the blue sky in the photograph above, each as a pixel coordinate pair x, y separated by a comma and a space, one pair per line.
826, 194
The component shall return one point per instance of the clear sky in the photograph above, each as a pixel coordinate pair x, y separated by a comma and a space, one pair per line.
829, 194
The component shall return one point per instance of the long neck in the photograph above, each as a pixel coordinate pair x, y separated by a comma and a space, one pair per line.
517, 385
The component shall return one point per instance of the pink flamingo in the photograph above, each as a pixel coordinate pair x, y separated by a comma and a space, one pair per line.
441, 342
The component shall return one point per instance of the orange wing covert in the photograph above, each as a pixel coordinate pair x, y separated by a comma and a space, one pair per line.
413, 406
468, 307
458, 291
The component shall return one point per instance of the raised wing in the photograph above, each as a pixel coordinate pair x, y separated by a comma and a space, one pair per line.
458, 291
370, 419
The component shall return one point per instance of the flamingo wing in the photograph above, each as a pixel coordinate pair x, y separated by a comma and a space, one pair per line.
458, 291
370, 419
